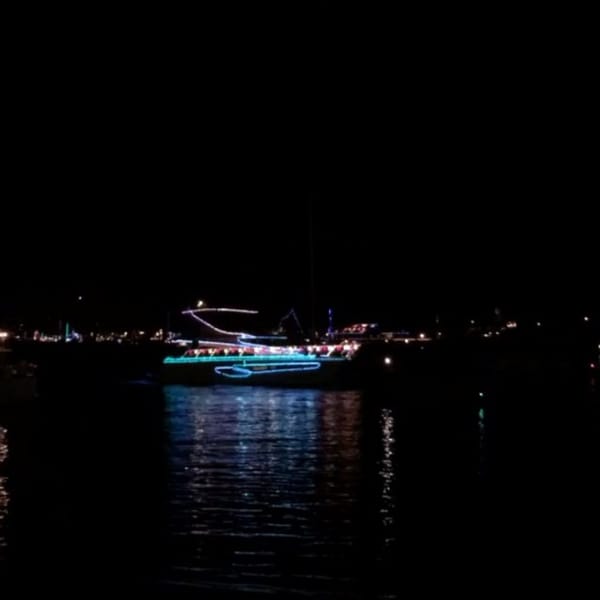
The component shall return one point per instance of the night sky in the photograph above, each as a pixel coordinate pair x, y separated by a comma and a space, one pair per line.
148, 167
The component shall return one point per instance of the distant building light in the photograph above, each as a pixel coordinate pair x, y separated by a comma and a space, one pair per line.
511, 324
3, 335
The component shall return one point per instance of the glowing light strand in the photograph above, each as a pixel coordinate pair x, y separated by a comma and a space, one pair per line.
242, 335
217, 329
273, 358
243, 311
239, 372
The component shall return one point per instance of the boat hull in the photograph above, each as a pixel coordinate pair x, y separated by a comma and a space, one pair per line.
298, 373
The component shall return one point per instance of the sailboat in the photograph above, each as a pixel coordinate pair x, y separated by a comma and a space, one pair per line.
239, 357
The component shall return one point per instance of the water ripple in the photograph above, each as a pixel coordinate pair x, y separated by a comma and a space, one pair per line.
263, 487
4, 499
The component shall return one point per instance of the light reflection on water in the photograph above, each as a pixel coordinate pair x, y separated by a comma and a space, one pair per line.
297, 493
323, 494
3, 491
264, 485
306, 492
482, 439
387, 469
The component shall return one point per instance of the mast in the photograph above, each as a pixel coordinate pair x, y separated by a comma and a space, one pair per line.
311, 266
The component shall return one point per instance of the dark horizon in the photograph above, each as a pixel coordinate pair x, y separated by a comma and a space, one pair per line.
368, 266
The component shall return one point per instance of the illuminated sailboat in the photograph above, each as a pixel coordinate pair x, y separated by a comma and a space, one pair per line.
250, 359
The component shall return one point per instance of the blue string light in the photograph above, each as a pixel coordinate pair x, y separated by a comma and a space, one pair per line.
237, 372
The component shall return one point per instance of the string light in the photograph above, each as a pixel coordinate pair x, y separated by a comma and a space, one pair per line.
276, 358
237, 372
243, 311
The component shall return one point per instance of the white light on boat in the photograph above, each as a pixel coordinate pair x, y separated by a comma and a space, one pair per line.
200, 304
421, 336
387, 360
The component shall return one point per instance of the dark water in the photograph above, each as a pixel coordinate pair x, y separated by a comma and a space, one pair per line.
252, 492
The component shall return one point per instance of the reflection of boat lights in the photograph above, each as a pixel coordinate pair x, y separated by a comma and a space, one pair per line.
386, 471
3, 445
481, 426
3, 491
